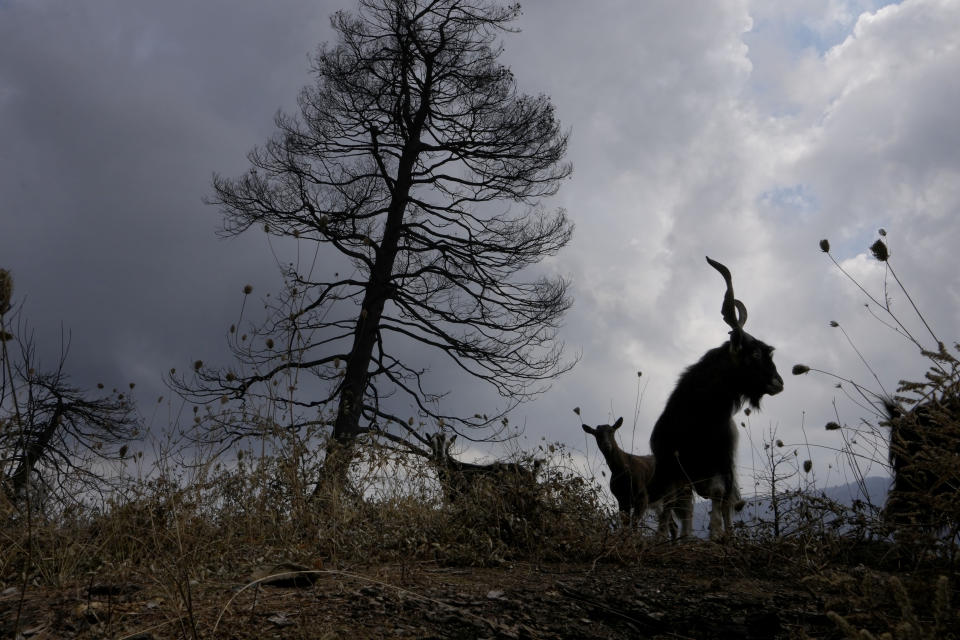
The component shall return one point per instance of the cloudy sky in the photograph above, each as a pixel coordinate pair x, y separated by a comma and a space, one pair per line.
744, 130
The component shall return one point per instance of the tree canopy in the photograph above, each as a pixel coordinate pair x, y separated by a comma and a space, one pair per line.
417, 161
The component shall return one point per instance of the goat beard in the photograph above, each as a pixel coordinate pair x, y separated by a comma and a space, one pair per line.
753, 400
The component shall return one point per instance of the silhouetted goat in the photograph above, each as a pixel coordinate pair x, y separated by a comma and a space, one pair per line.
630, 476
515, 480
925, 456
695, 438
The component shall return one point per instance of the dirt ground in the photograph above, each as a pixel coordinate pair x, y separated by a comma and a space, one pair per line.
693, 590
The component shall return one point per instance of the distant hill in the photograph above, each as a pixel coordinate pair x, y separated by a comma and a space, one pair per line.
758, 509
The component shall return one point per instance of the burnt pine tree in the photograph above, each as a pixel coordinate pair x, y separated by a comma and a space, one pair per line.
57, 436
416, 158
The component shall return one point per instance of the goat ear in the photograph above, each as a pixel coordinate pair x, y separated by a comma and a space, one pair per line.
616, 425
589, 430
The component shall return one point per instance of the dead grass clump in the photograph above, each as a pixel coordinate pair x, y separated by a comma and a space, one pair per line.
924, 502
224, 518
864, 604
560, 517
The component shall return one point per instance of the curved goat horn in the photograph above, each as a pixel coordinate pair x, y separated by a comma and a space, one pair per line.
741, 313
734, 312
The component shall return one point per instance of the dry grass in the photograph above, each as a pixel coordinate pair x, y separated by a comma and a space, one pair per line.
179, 543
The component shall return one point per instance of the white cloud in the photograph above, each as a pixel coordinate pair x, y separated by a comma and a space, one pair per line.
857, 135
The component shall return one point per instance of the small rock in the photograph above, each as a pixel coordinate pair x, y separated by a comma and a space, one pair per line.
281, 620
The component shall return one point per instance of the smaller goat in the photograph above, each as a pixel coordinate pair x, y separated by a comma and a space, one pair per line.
630, 476
461, 478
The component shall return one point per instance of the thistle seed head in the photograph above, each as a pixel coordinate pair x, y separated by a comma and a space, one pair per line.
879, 251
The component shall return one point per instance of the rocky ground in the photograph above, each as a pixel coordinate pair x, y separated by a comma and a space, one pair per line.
692, 590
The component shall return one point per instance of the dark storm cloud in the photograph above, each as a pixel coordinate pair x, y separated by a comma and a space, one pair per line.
114, 116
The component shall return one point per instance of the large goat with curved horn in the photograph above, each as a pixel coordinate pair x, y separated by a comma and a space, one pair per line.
695, 438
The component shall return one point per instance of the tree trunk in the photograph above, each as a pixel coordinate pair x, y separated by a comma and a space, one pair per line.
34, 449
340, 448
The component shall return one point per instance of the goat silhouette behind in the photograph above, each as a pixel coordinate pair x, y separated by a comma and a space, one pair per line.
459, 479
